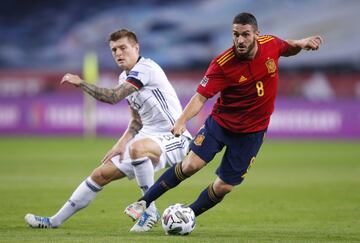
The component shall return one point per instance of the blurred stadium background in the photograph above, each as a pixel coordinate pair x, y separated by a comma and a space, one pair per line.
305, 187
319, 92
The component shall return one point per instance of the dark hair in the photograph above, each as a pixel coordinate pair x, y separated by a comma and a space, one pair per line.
121, 34
246, 18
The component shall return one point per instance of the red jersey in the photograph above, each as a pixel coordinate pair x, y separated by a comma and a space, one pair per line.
247, 87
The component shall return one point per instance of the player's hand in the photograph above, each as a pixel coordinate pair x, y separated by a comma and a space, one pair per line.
311, 43
71, 79
178, 128
112, 153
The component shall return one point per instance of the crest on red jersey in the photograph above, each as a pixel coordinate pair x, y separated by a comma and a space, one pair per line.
271, 66
199, 139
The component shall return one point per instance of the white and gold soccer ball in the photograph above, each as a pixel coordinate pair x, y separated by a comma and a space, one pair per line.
178, 219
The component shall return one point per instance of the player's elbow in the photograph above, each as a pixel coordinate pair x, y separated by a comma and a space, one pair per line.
108, 101
200, 98
113, 101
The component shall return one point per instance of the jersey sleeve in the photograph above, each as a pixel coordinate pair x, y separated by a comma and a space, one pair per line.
282, 45
213, 82
139, 75
122, 78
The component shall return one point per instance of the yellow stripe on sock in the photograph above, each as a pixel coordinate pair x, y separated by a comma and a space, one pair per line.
178, 172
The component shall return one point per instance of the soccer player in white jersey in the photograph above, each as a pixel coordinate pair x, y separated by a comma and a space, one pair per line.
146, 146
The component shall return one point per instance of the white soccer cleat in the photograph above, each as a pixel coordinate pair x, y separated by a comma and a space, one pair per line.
38, 221
135, 210
146, 221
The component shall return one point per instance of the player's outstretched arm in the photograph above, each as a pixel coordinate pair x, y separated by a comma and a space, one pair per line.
310, 43
111, 96
192, 109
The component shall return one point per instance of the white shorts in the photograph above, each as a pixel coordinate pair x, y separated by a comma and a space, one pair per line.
173, 151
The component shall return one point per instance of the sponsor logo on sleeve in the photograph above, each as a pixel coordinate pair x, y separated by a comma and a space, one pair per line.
133, 73
204, 81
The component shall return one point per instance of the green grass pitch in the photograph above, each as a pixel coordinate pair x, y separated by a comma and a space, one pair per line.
297, 191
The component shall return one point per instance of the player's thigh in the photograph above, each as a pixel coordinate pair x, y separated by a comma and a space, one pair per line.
202, 150
239, 156
145, 147
206, 144
106, 173
174, 149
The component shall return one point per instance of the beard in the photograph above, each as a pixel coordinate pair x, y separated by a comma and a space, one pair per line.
247, 54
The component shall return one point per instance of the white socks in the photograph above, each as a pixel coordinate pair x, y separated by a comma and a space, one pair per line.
80, 198
87, 190
144, 174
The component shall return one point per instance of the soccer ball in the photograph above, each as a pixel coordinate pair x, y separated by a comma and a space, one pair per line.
178, 219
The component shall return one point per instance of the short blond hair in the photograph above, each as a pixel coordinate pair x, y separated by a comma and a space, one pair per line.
116, 35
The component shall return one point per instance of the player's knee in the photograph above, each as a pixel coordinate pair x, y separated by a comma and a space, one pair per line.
136, 150
190, 168
100, 177
221, 189
192, 164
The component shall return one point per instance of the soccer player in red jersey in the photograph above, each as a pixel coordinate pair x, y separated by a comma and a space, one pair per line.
246, 76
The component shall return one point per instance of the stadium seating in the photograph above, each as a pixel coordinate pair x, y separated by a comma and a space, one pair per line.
177, 34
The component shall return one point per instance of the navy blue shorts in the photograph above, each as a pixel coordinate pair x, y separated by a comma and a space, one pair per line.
241, 149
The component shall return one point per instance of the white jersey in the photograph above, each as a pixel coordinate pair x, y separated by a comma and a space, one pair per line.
156, 100
158, 107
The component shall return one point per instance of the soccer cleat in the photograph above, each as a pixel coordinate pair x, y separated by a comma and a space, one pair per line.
146, 221
135, 210
38, 221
